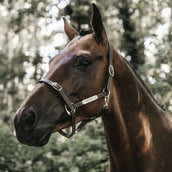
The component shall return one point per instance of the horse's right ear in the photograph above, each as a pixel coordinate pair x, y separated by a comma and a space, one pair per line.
69, 30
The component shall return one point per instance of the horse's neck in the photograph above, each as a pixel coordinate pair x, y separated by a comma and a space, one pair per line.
127, 125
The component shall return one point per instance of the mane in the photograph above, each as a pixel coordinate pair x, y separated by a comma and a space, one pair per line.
144, 85
84, 32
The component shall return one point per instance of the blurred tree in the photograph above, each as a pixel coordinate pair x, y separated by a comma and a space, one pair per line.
133, 41
20, 41
79, 13
163, 86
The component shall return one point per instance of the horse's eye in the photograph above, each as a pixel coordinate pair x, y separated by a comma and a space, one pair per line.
83, 63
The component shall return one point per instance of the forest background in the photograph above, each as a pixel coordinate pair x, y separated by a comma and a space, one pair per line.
31, 32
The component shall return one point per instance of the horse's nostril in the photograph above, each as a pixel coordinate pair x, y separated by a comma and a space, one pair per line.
29, 120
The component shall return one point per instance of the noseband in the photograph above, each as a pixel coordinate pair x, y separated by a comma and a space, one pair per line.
71, 107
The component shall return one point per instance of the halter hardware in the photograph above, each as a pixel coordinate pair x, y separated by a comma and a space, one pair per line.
106, 99
70, 112
70, 107
111, 71
56, 86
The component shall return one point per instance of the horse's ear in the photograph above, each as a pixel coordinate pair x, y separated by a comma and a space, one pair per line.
69, 30
97, 24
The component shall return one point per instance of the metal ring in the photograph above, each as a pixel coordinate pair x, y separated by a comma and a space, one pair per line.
68, 111
106, 92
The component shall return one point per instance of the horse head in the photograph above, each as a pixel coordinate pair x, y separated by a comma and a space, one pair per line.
76, 74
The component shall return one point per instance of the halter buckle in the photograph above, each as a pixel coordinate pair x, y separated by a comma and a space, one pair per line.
106, 99
111, 71
56, 86
70, 112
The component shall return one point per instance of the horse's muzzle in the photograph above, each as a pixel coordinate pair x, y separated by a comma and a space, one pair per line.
27, 131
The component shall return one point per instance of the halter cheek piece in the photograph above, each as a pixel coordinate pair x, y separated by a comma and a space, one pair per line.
71, 107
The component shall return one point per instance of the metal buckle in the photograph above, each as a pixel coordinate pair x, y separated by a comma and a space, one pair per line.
56, 86
111, 71
106, 99
69, 112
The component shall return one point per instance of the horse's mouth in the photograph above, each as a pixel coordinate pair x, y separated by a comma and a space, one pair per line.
35, 141
43, 140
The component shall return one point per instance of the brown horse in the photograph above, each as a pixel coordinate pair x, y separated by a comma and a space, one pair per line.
78, 88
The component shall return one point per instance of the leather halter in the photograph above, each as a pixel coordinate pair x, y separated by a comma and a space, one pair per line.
71, 107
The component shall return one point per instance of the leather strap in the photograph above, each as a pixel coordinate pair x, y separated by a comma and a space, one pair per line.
59, 88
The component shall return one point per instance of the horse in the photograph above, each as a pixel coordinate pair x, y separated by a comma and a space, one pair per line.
89, 79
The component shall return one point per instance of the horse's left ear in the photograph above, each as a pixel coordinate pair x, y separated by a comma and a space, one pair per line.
69, 30
97, 25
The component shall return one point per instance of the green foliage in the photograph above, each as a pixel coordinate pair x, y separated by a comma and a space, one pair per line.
75, 155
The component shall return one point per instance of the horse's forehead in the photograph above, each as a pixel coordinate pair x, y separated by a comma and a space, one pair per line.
79, 45
83, 44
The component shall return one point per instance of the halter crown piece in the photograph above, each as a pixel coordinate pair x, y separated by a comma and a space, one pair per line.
71, 107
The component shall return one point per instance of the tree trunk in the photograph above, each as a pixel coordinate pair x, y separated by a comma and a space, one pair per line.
131, 42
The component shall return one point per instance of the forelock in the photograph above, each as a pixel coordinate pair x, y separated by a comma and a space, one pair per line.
84, 32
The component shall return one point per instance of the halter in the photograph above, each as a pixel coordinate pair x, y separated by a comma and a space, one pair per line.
71, 107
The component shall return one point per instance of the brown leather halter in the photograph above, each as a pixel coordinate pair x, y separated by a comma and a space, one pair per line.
71, 107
